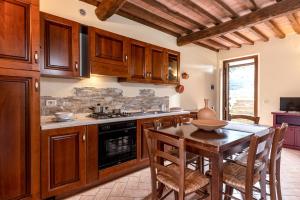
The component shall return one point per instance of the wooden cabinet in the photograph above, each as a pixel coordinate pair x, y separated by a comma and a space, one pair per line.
19, 134
289, 138
172, 68
59, 46
63, 160
108, 53
138, 59
297, 137
157, 64
19, 41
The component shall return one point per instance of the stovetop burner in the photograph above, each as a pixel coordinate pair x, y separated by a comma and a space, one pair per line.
109, 115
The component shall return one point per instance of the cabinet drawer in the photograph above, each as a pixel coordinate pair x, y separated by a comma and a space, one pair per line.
289, 138
297, 137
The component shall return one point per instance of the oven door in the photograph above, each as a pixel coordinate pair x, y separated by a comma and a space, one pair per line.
116, 146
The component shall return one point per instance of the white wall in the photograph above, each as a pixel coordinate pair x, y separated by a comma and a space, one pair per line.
197, 61
279, 71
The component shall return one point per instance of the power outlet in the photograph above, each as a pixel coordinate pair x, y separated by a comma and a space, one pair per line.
51, 103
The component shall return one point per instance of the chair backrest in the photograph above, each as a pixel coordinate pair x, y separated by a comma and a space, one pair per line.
165, 123
254, 155
277, 146
254, 119
157, 156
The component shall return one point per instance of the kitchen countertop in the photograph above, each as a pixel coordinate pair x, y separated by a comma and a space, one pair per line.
82, 120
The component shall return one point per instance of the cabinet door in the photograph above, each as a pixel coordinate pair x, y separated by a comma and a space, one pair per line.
138, 57
297, 137
19, 41
173, 66
289, 138
19, 135
108, 53
59, 46
157, 64
63, 160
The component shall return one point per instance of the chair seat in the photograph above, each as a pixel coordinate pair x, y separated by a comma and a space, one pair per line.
235, 175
190, 157
194, 180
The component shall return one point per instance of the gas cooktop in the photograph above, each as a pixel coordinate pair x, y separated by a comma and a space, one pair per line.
109, 115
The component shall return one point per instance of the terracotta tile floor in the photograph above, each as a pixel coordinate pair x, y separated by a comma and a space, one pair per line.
137, 186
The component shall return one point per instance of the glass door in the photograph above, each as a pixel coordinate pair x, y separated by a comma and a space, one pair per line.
240, 87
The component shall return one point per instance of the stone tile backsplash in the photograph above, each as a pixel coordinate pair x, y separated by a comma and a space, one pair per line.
85, 97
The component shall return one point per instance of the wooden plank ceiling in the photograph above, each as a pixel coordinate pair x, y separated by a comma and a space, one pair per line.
213, 24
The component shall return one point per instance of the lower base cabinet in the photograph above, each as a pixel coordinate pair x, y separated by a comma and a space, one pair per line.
63, 160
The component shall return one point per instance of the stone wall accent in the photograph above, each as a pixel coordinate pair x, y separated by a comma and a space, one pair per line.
85, 97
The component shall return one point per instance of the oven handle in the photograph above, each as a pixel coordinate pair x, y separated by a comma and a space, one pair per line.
117, 130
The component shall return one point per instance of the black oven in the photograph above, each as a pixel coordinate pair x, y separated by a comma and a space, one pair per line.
117, 143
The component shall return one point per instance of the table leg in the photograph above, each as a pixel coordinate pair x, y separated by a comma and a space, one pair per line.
217, 177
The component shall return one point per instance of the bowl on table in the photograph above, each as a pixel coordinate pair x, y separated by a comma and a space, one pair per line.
209, 124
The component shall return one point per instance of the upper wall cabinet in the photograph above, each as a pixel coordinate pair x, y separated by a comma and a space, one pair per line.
19, 34
172, 69
59, 46
138, 60
157, 64
108, 53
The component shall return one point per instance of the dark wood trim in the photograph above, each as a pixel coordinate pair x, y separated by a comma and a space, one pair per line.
228, 8
225, 84
198, 9
215, 43
236, 44
206, 46
107, 8
254, 4
281, 8
294, 22
147, 23
148, 16
243, 37
259, 33
162, 7
275, 28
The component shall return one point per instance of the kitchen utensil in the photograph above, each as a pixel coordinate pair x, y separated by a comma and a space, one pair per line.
64, 116
97, 109
179, 89
209, 124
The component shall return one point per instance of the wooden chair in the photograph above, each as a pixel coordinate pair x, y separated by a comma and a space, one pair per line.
273, 163
175, 176
243, 177
254, 119
191, 158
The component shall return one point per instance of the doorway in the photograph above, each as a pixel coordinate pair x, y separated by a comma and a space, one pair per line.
240, 85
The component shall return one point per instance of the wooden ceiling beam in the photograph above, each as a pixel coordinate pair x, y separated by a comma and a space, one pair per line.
255, 5
275, 28
243, 37
162, 7
150, 17
107, 8
198, 9
236, 44
228, 8
218, 44
147, 23
207, 46
260, 34
278, 9
92, 2
294, 22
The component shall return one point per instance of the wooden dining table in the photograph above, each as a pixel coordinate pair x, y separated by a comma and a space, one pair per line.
216, 145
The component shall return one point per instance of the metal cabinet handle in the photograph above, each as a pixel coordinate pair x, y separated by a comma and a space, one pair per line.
83, 137
126, 58
76, 66
37, 85
150, 74
36, 57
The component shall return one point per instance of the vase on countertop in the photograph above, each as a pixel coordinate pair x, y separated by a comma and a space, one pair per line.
206, 112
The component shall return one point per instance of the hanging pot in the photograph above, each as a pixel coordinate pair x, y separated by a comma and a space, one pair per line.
179, 89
